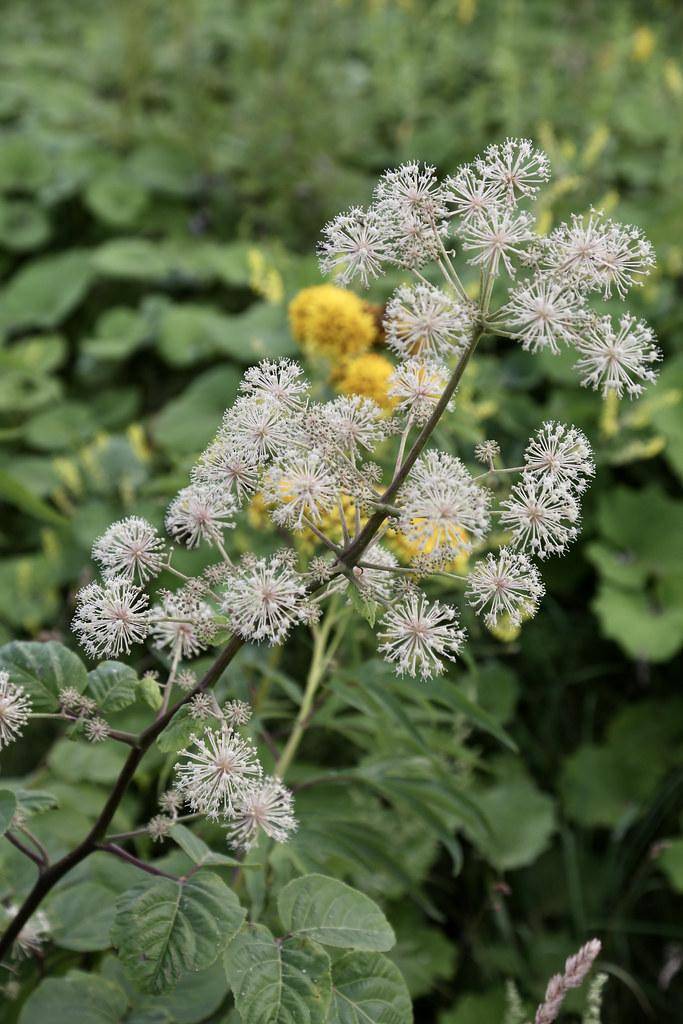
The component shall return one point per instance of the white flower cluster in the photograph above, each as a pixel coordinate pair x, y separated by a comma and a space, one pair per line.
353, 479
220, 775
483, 209
15, 710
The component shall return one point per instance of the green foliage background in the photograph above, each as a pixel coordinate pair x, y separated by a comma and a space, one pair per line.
164, 172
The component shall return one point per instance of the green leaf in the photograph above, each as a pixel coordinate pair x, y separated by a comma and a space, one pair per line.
81, 997
521, 821
23, 225
331, 912
259, 333
136, 258
33, 801
67, 425
283, 982
166, 928
14, 493
195, 998
116, 199
75, 761
197, 850
43, 670
120, 332
368, 989
365, 607
113, 685
25, 164
150, 691
81, 917
188, 423
177, 733
43, 293
192, 333
8, 805
165, 166
25, 391
647, 630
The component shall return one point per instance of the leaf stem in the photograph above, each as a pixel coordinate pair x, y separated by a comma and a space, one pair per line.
319, 663
130, 858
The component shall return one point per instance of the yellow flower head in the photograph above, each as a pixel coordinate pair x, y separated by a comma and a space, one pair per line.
257, 512
367, 375
406, 549
331, 322
504, 629
643, 43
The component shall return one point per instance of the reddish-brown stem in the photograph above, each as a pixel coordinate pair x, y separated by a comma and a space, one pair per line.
49, 877
130, 858
25, 850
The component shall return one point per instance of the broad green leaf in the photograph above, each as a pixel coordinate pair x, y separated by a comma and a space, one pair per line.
68, 424
195, 998
120, 332
192, 334
197, 850
14, 493
75, 761
43, 670
37, 354
44, 292
164, 166
85, 998
23, 225
25, 164
262, 332
610, 784
521, 821
33, 801
278, 982
647, 630
166, 928
8, 805
116, 198
136, 258
81, 917
29, 595
113, 685
334, 914
25, 391
368, 989
188, 423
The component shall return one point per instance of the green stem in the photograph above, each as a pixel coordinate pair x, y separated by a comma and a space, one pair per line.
322, 655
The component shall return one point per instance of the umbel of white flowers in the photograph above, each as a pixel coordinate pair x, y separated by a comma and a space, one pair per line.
320, 463
312, 462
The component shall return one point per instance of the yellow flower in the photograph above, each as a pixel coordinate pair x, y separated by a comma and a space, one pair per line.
673, 77
257, 512
367, 375
331, 322
406, 549
504, 630
643, 43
